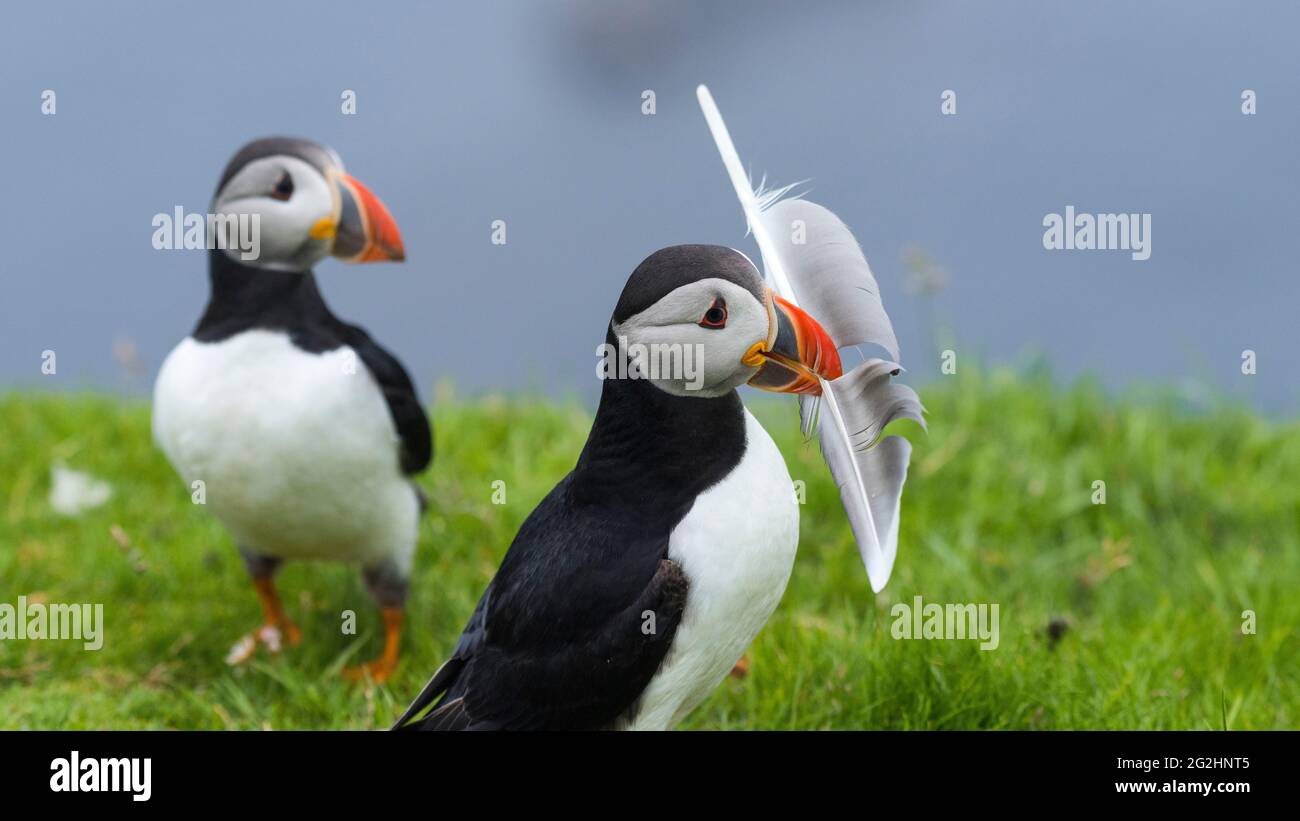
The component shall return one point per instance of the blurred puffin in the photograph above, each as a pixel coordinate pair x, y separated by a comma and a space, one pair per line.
303, 430
637, 583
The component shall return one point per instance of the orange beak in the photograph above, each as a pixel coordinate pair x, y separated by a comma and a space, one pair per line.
365, 231
797, 354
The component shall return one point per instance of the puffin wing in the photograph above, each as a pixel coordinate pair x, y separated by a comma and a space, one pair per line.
447, 717
413, 428
571, 630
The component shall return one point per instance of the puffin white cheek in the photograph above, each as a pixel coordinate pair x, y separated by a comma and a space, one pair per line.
274, 233
748, 325
684, 358
285, 229
670, 356
720, 354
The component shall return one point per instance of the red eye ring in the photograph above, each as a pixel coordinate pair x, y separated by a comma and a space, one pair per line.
716, 316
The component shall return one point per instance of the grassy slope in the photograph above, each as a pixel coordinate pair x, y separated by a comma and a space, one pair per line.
1202, 521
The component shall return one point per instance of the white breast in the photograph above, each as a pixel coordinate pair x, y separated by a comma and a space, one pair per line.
297, 451
737, 547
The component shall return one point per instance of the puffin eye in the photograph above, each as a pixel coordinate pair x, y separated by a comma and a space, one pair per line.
283, 189
716, 316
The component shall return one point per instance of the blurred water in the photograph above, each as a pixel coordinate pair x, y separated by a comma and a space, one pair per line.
531, 113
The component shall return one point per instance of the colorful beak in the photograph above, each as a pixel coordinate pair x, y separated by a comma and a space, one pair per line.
797, 354
365, 231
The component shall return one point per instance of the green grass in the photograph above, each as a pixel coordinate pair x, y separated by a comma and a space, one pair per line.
1202, 521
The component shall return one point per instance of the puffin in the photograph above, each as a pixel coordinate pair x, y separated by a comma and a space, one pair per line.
637, 583
298, 431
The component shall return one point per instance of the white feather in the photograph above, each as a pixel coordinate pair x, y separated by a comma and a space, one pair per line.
72, 491
829, 276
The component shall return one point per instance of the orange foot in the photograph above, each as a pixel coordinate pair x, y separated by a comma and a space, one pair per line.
381, 668
741, 669
273, 634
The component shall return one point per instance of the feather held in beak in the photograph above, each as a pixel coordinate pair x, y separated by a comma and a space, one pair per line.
826, 274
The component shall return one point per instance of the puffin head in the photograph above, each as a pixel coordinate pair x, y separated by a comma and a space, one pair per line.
714, 300
306, 205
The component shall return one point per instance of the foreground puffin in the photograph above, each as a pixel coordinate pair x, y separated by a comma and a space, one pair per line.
304, 432
638, 582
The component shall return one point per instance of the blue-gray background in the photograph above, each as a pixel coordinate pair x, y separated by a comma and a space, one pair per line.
531, 112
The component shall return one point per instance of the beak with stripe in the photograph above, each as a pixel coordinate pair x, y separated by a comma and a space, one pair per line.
361, 227
797, 353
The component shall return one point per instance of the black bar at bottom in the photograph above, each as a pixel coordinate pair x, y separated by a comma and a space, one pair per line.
334, 770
